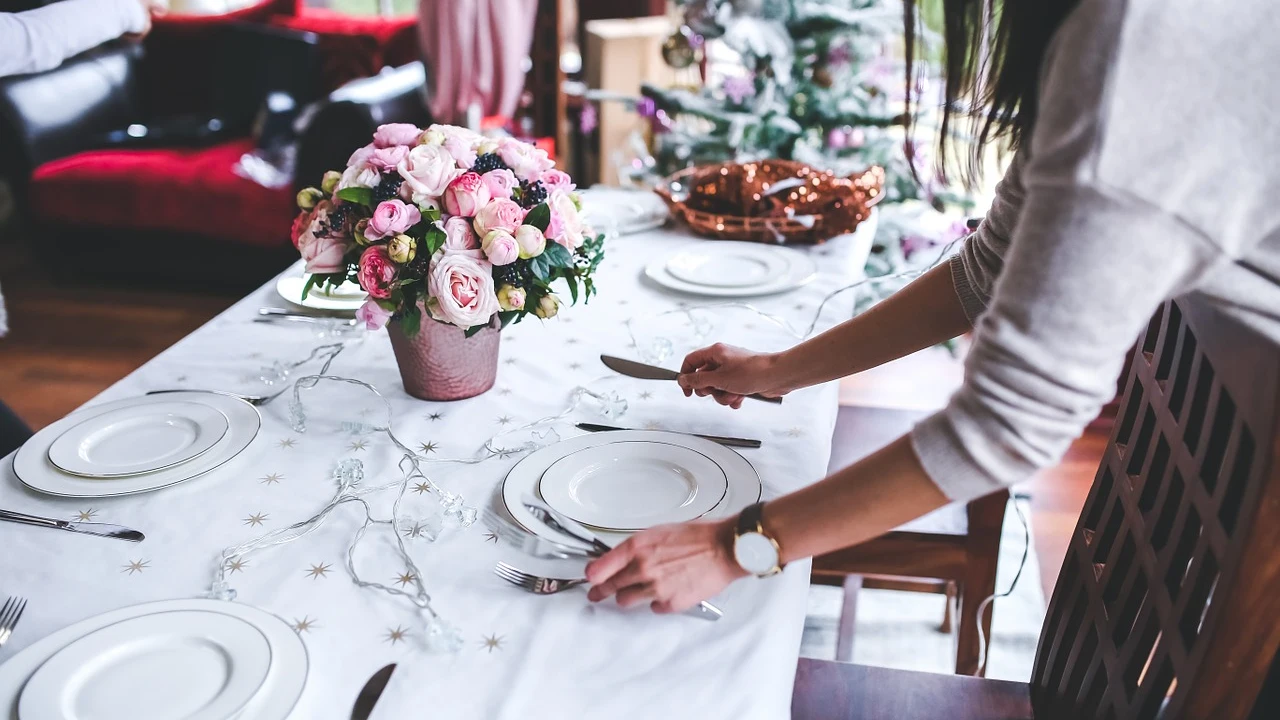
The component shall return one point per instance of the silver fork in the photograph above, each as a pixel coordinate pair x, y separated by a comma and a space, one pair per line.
533, 545
10, 614
534, 583
256, 400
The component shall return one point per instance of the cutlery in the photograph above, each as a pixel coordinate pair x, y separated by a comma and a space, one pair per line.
634, 369
269, 314
726, 441
534, 545
576, 530
533, 583
88, 528
256, 400
370, 693
10, 614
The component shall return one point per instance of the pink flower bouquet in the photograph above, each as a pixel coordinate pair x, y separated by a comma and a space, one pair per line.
463, 225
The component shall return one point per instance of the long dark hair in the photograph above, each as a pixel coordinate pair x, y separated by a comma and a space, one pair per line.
992, 56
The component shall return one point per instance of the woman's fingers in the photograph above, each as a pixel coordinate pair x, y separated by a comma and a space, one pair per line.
712, 355
611, 563
618, 583
633, 595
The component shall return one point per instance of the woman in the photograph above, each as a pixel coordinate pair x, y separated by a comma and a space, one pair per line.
1145, 168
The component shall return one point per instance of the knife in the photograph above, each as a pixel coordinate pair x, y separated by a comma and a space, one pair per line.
88, 528
729, 441
370, 693
639, 370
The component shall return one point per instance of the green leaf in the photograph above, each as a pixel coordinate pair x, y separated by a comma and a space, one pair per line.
541, 267
506, 316
434, 240
474, 329
306, 289
411, 322
573, 287
359, 195
557, 255
539, 217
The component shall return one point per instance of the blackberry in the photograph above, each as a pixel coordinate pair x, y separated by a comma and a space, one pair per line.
338, 219
508, 274
532, 193
387, 189
487, 162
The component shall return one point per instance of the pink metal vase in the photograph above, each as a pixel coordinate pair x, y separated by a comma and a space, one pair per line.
442, 363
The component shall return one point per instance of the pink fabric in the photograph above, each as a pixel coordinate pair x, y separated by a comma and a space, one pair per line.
475, 52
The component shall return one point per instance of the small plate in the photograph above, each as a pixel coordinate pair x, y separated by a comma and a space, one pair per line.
347, 297
138, 439
800, 269
634, 485
183, 664
733, 267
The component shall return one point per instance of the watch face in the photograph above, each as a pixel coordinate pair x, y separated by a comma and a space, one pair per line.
755, 553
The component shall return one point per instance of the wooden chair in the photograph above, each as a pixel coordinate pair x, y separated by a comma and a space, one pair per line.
953, 550
1168, 604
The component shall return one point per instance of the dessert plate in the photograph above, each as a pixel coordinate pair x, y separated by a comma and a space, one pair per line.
138, 439
347, 297
738, 266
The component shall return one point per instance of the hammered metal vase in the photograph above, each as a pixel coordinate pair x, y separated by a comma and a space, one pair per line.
442, 363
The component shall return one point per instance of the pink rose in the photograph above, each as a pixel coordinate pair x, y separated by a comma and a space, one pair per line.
530, 240
323, 254
300, 225
500, 247
377, 272
466, 195
566, 226
361, 156
557, 180
396, 134
471, 137
461, 150
386, 159
499, 214
461, 290
501, 182
427, 170
391, 217
460, 238
372, 315
525, 160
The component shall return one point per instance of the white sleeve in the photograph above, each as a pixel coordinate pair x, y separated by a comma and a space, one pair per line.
40, 39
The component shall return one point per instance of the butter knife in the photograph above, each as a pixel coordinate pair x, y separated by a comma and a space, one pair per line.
370, 693
634, 369
728, 441
89, 528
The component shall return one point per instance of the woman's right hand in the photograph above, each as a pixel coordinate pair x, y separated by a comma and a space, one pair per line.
729, 374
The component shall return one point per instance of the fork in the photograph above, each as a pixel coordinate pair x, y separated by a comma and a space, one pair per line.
10, 614
256, 400
533, 545
534, 583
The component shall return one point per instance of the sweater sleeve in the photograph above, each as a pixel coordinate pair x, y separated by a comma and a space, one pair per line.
40, 39
976, 267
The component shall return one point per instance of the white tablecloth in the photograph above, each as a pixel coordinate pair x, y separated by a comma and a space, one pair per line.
524, 656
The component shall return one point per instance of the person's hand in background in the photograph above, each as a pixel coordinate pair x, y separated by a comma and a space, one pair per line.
150, 9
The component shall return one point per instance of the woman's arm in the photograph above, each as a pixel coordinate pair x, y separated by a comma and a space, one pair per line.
40, 39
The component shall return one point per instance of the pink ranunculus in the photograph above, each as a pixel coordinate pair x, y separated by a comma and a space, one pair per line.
566, 226
377, 272
372, 315
460, 238
386, 159
530, 240
501, 182
557, 180
300, 225
394, 134
499, 214
391, 217
324, 255
361, 156
466, 195
525, 160
462, 150
500, 247
428, 170
471, 137
461, 290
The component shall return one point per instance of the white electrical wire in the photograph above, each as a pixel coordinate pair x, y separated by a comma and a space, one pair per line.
982, 606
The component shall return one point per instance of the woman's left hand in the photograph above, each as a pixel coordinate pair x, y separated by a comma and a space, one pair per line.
672, 567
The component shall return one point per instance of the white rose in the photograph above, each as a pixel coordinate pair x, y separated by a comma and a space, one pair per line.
428, 170
359, 176
566, 225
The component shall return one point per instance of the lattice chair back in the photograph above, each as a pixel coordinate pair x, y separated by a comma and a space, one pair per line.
1168, 603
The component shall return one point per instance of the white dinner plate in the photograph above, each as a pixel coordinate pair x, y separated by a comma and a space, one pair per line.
633, 485
743, 481
347, 297
733, 257
623, 210
31, 462
738, 266
189, 664
138, 439
276, 699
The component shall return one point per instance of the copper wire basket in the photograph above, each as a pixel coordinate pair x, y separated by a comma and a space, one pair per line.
771, 201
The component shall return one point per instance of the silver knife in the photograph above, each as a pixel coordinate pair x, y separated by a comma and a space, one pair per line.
728, 441
88, 528
634, 369
370, 693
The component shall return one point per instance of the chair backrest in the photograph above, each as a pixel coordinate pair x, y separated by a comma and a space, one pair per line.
1168, 604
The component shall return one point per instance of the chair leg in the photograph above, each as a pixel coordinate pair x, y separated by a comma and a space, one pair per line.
949, 611
848, 618
982, 548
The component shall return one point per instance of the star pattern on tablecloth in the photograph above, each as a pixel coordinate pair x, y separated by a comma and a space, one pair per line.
571, 341
180, 379
315, 572
795, 432
421, 488
256, 519
136, 566
653, 425
405, 578
236, 565
366, 412
503, 420
271, 479
575, 366
645, 395
491, 642
505, 452
303, 625
86, 515
357, 445
286, 443
435, 416
427, 447
504, 391
396, 634
491, 537
510, 361
415, 531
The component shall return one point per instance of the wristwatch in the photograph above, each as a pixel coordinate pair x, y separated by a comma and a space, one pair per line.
753, 548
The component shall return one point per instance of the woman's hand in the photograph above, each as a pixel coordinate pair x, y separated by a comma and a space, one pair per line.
729, 374
672, 567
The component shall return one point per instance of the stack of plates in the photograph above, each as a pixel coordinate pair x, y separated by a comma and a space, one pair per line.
135, 445
732, 269
194, 659
346, 298
623, 211
623, 481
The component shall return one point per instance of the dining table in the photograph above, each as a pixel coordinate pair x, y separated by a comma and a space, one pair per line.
522, 655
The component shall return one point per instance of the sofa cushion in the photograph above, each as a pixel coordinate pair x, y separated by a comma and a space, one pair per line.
354, 47
184, 191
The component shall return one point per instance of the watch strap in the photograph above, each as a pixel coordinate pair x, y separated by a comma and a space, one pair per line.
749, 519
